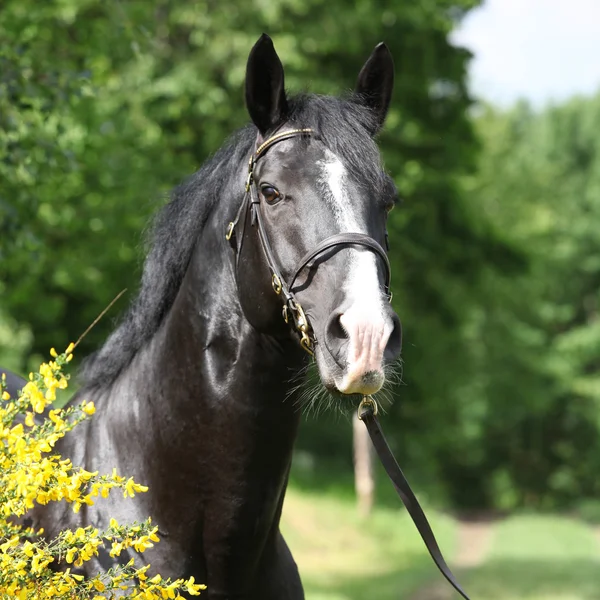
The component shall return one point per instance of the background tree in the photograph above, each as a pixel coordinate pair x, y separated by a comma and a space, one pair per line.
538, 335
105, 106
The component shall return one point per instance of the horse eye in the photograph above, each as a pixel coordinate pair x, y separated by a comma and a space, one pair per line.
271, 195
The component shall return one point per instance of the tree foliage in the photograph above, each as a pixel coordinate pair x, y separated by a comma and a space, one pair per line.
105, 106
538, 334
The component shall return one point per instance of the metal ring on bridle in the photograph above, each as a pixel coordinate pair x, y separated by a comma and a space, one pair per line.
276, 283
367, 401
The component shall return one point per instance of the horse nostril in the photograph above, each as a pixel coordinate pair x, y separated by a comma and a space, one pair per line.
336, 339
394, 343
335, 329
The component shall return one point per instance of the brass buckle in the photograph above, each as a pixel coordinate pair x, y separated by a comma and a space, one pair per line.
250, 173
367, 401
306, 343
300, 323
229, 230
300, 320
285, 313
276, 283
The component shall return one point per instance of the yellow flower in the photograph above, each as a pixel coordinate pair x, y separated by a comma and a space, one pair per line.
116, 549
71, 554
40, 561
88, 408
29, 473
131, 487
36, 397
193, 588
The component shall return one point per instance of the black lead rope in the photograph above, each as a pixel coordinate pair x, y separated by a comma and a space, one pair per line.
367, 413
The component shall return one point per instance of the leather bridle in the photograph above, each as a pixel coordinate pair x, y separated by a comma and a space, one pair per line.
367, 411
292, 309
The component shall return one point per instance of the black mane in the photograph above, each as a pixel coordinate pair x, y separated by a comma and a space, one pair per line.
344, 126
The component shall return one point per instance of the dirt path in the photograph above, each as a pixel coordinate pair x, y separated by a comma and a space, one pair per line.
474, 542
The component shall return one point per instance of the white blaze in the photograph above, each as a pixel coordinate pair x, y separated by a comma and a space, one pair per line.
365, 321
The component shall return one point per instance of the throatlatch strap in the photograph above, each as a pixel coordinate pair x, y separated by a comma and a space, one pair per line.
407, 496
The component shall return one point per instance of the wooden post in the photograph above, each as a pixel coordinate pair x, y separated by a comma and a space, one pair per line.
364, 482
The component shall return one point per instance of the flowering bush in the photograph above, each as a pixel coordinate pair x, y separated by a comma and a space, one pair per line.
30, 473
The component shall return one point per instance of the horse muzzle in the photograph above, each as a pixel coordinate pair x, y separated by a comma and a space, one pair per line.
360, 343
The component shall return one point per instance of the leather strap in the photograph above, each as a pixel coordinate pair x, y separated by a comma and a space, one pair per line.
368, 417
278, 137
266, 245
346, 239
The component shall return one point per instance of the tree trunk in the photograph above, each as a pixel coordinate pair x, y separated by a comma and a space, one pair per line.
363, 467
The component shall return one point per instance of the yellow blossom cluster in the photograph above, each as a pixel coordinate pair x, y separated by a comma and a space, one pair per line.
36, 568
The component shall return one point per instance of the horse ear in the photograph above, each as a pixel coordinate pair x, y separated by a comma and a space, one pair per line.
376, 82
265, 93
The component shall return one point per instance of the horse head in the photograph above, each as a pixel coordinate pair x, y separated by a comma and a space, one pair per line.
311, 231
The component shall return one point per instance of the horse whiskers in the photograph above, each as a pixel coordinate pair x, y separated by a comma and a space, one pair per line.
313, 398
297, 381
393, 372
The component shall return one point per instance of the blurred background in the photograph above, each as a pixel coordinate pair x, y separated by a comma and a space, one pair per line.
493, 139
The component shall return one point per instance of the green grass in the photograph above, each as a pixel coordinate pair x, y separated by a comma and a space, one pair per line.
342, 557
539, 558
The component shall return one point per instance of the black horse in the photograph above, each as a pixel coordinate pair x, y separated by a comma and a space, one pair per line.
195, 389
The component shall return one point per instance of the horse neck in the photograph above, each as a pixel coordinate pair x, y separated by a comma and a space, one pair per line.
212, 390
210, 343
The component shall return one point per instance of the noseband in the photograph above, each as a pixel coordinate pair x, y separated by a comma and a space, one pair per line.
292, 309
